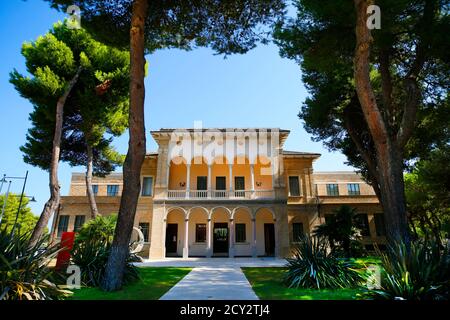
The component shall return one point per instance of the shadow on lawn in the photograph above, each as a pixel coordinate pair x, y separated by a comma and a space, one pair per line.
153, 283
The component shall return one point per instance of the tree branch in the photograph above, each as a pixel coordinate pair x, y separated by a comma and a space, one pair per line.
364, 88
412, 89
386, 85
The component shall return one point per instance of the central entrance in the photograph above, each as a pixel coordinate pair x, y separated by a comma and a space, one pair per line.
171, 239
220, 239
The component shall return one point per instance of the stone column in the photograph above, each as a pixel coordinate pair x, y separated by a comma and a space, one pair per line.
254, 238
252, 178
277, 238
231, 242
158, 233
272, 164
230, 182
209, 181
209, 239
188, 180
164, 238
186, 239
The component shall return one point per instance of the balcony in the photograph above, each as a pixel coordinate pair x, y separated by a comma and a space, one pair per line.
220, 194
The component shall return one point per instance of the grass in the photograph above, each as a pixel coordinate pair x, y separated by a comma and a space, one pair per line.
365, 261
268, 284
153, 284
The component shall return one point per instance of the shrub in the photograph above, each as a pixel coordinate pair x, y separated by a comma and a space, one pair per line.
342, 232
24, 271
101, 228
91, 250
421, 273
313, 265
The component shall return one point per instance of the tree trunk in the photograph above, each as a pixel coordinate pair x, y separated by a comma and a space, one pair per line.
392, 192
89, 190
135, 155
52, 204
389, 156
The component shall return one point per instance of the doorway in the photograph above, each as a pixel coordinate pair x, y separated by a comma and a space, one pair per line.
202, 185
220, 187
220, 239
239, 186
269, 239
171, 239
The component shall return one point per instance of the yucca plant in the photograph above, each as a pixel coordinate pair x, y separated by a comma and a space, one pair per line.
421, 272
313, 265
24, 271
91, 250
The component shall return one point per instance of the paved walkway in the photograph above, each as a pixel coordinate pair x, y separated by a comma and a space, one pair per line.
212, 283
213, 278
214, 262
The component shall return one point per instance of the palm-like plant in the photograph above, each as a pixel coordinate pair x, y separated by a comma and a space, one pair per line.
313, 265
91, 250
101, 228
419, 273
24, 271
340, 230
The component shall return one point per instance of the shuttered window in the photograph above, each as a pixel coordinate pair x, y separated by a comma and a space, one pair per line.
294, 186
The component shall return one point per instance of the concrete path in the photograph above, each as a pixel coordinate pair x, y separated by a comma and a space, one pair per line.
212, 283
214, 262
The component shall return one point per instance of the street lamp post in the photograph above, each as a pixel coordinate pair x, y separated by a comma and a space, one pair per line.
5, 200
3, 180
20, 202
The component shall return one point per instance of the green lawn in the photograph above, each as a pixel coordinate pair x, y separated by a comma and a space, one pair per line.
267, 284
153, 284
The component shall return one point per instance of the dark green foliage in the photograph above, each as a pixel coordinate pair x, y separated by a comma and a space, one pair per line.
91, 251
427, 190
423, 273
92, 114
313, 265
101, 229
225, 26
341, 232
24, 271
321, 38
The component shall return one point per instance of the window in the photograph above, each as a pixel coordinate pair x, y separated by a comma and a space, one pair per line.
95, 188
145, 227
202, 184
239, 186
297, 231
240, 232
63, 224
353, 189
79, 221
200, 232
147, 186
379, 224
362, 223
112, 190
332, 190
221, 183
294, 187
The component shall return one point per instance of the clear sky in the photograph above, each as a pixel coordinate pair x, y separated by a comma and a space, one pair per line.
258, 89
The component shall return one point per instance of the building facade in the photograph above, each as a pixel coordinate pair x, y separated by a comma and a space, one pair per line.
227, 192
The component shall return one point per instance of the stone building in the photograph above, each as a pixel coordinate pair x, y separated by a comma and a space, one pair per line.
227, 192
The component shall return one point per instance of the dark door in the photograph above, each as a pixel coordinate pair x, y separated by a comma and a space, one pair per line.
202, 184
269, 238
220, 238
221, 186
171, 238
239, 186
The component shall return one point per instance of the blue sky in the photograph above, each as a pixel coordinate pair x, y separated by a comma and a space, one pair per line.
259, 89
